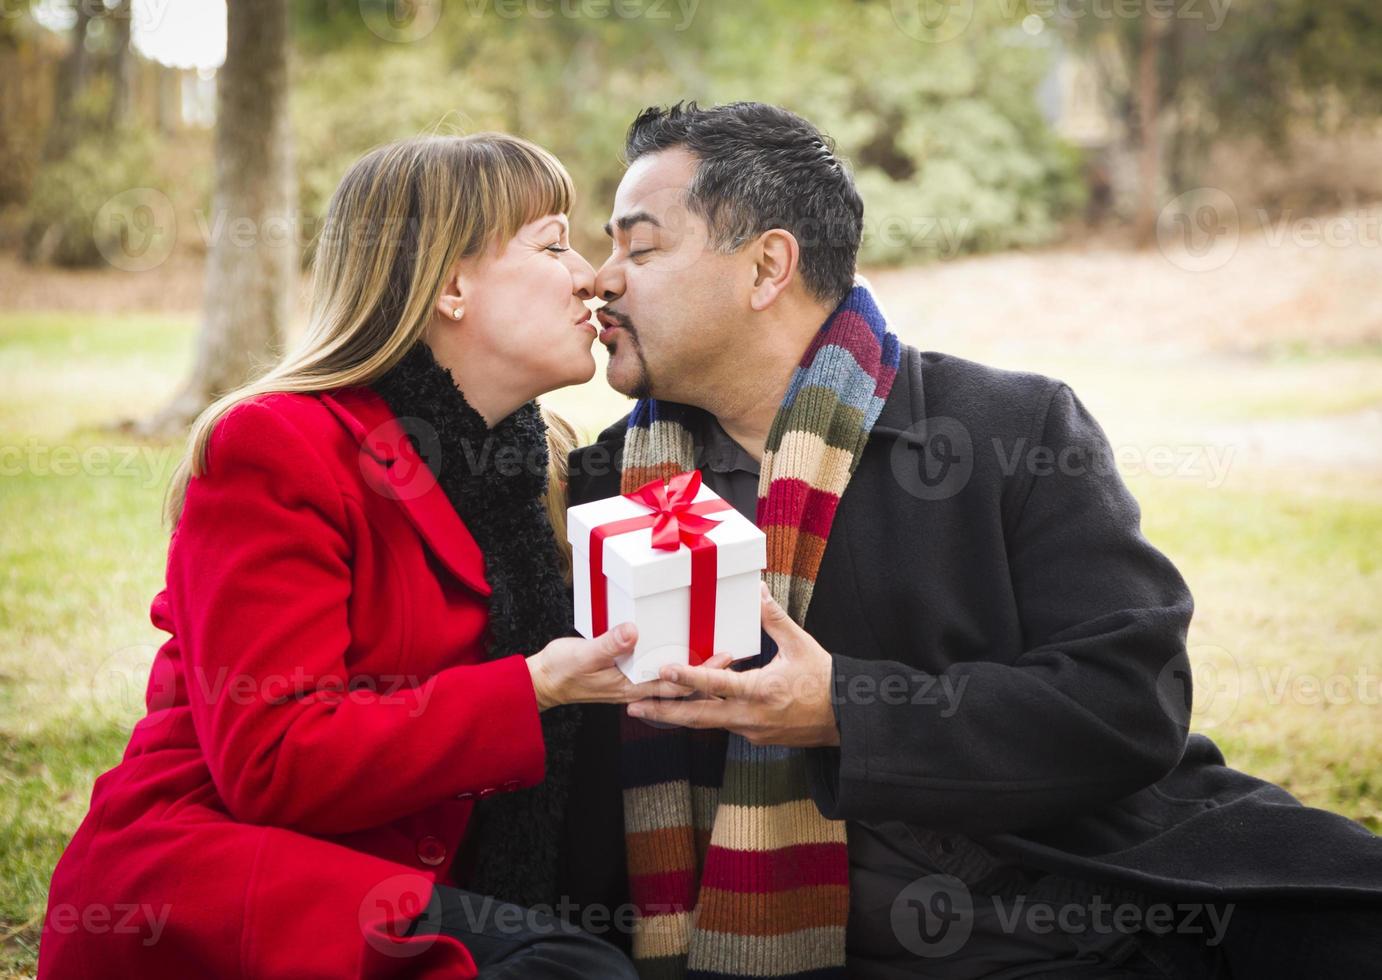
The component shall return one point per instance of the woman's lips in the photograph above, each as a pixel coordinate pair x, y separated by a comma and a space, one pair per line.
586, 323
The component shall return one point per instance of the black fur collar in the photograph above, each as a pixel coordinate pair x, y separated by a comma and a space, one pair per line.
496, 479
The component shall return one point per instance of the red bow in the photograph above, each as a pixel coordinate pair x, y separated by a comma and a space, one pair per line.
671, 504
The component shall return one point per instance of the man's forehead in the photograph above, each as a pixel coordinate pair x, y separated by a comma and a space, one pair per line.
655, 184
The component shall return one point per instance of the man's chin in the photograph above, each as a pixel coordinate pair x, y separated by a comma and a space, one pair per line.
625, 378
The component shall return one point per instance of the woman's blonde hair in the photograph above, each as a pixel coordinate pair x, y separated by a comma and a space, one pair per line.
402, 216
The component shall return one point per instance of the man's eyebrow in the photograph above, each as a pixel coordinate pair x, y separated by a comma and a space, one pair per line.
625, 222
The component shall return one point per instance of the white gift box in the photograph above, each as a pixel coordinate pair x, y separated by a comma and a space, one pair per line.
651, 587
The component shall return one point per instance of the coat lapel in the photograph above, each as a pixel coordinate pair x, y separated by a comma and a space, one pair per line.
905, 405
393, 468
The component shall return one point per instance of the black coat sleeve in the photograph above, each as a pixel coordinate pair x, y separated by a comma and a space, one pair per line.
1095, 707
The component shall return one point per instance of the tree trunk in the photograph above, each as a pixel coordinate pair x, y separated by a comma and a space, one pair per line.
1149, 135
121, 18
252, 263
58, 139
37, 244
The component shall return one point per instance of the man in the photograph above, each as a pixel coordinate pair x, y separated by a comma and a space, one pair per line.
976, 670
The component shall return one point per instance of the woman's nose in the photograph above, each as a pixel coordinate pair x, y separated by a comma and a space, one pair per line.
582, 276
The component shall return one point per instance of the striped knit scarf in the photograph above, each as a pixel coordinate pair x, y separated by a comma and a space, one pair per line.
732, 869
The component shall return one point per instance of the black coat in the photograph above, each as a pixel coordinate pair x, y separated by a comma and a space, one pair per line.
1012, 570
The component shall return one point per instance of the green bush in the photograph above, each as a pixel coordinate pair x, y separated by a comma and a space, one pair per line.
117, 171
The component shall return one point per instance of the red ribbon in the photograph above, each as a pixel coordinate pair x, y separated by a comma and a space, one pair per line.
675, 521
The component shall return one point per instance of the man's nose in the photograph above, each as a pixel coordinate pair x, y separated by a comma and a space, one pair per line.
609, 281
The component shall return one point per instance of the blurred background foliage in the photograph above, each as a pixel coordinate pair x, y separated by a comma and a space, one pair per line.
1024, 129
951, 137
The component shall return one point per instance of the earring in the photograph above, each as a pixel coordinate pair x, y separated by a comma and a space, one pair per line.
456, 313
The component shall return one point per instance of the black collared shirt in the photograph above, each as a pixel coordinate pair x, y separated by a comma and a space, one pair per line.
727, 468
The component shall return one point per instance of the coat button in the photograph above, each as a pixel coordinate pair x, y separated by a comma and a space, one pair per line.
487, 792
431, 851
467, 795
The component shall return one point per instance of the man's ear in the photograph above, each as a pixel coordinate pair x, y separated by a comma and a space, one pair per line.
776, 255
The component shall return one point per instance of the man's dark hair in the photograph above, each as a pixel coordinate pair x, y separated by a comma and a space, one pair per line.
764, 167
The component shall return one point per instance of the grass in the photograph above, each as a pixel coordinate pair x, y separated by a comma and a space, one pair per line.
1284, 571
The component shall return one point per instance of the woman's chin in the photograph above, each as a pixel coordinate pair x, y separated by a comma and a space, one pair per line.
577, 371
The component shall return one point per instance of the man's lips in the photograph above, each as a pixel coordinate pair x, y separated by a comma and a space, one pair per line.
610, 325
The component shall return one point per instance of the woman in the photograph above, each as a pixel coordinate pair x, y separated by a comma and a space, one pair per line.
360, 705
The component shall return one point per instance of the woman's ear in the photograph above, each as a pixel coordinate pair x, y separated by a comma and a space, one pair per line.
451, 302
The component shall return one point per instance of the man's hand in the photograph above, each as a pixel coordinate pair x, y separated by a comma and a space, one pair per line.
786, 702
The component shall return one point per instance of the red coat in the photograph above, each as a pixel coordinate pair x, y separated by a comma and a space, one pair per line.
319, 721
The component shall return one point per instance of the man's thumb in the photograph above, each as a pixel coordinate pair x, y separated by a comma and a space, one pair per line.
776, 622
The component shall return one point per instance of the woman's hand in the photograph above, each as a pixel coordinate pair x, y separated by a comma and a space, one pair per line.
574, 670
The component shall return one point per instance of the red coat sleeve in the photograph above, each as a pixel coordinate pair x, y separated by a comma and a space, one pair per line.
259, 576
